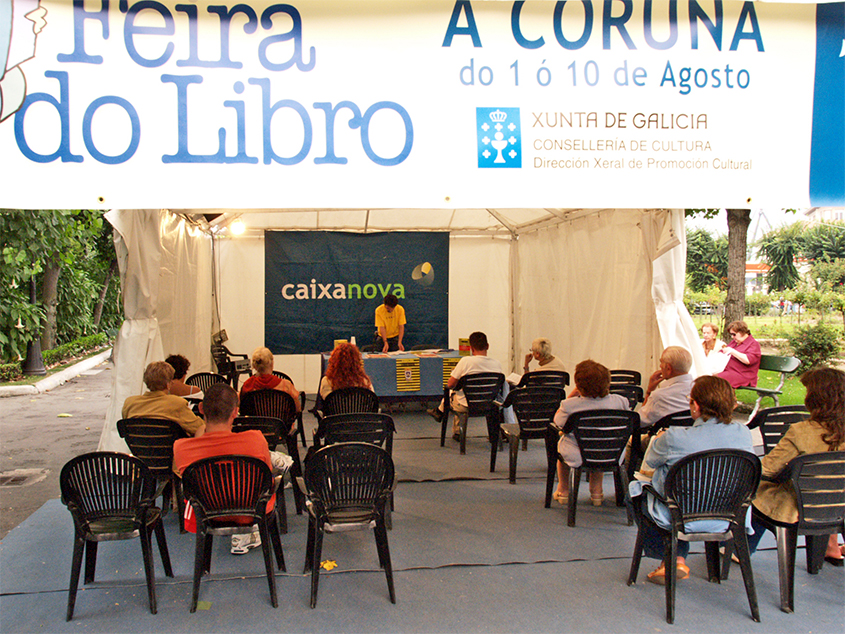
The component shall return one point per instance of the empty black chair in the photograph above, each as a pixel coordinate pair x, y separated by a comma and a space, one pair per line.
708, 485
272, 428
628, 377
772, 363
534, 409
110, 496
347, 486
278, 404
545, 378
204, 380
818, 480
223, 360
601, 435
300, 427
676, 419
481, 391
221, 489
634, 393
151, 440
775, 421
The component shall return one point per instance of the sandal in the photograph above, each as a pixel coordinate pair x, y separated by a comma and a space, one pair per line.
563, 498
597, 499
659, 576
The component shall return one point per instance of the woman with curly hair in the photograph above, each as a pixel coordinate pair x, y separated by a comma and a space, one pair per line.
824, 431
345, 369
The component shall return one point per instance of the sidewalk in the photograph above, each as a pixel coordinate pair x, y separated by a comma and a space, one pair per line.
54, 380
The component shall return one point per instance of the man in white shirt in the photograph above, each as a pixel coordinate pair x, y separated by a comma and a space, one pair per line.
476, 363
669, 387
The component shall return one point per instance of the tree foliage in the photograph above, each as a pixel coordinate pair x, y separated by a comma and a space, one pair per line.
779, 248
823, 242
707, 260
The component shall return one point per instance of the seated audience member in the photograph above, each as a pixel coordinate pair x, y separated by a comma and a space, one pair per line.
541, 351
744, 350
592, 391
345, 369
220, 407
180, 368
711, 404
824, 431
159, 403
476, 363
669, 387
264, 379
711, 343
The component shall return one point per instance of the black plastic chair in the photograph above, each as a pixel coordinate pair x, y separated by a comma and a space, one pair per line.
676, 419
348, 486
278, 404
272, 428
223, 487
634, 393
204, 380
301, 426
481, 391
348, 400
151, 440
534, 409
708, 485
772, 363
110, 496
602, 435
545, 378
627, 377
226, 365
818, 480
774, 422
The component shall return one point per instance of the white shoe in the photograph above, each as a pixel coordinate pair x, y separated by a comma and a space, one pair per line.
241, 544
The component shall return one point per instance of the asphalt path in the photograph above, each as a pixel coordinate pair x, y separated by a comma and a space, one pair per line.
39, 433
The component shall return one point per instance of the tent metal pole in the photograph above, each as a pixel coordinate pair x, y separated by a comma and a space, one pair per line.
514, 295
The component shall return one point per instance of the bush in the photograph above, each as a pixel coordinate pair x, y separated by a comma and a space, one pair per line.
73, 348
815, 345
9, 372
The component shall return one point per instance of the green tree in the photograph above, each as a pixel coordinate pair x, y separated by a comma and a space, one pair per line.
779, 248
824, 242
707, 260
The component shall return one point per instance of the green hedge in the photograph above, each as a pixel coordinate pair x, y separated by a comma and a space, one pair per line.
11, 371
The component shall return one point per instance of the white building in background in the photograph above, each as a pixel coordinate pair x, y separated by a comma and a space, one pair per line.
824, 214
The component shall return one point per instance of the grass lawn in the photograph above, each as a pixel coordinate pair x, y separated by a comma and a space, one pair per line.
793, 391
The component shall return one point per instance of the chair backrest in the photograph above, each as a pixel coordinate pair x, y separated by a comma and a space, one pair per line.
819, 483
272, 403
282, 375
534, 408
774, 422
481, 390
602, 435
676, 419
775, 363
628, 377
545, 378
634, 393
106, 484
717, 484
350, 400
221, 358
376, 429
204, 380
226, 486
151, 440
349, 482
272, 428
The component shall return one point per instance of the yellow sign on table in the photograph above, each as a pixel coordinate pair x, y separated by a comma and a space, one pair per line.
407, 375
449, 364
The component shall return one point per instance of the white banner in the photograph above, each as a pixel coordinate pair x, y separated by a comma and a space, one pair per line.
320, 104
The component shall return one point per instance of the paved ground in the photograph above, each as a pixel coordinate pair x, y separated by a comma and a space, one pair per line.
37, 438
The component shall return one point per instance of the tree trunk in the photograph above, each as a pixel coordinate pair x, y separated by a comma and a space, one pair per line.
50, 300
98, 308
738, 221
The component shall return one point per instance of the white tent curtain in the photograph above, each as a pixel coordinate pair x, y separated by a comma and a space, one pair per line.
166, 280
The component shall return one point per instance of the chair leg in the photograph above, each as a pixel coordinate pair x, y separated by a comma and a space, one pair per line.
161, 540
149, 568
384, 557
316, 553
300, 423
309, 547
199, 566
815, 546
180, 503
266, 546
574, 485
296, 471
636, 558
282, 511
464, 422
90, 561
75, 569
494, 449
744, 555
514, 453
787, 541
277, 542
671, 578
726, 559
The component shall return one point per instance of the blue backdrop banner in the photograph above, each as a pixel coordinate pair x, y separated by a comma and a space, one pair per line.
323, 285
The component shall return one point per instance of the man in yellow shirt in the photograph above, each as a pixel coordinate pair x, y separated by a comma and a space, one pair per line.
390, 321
